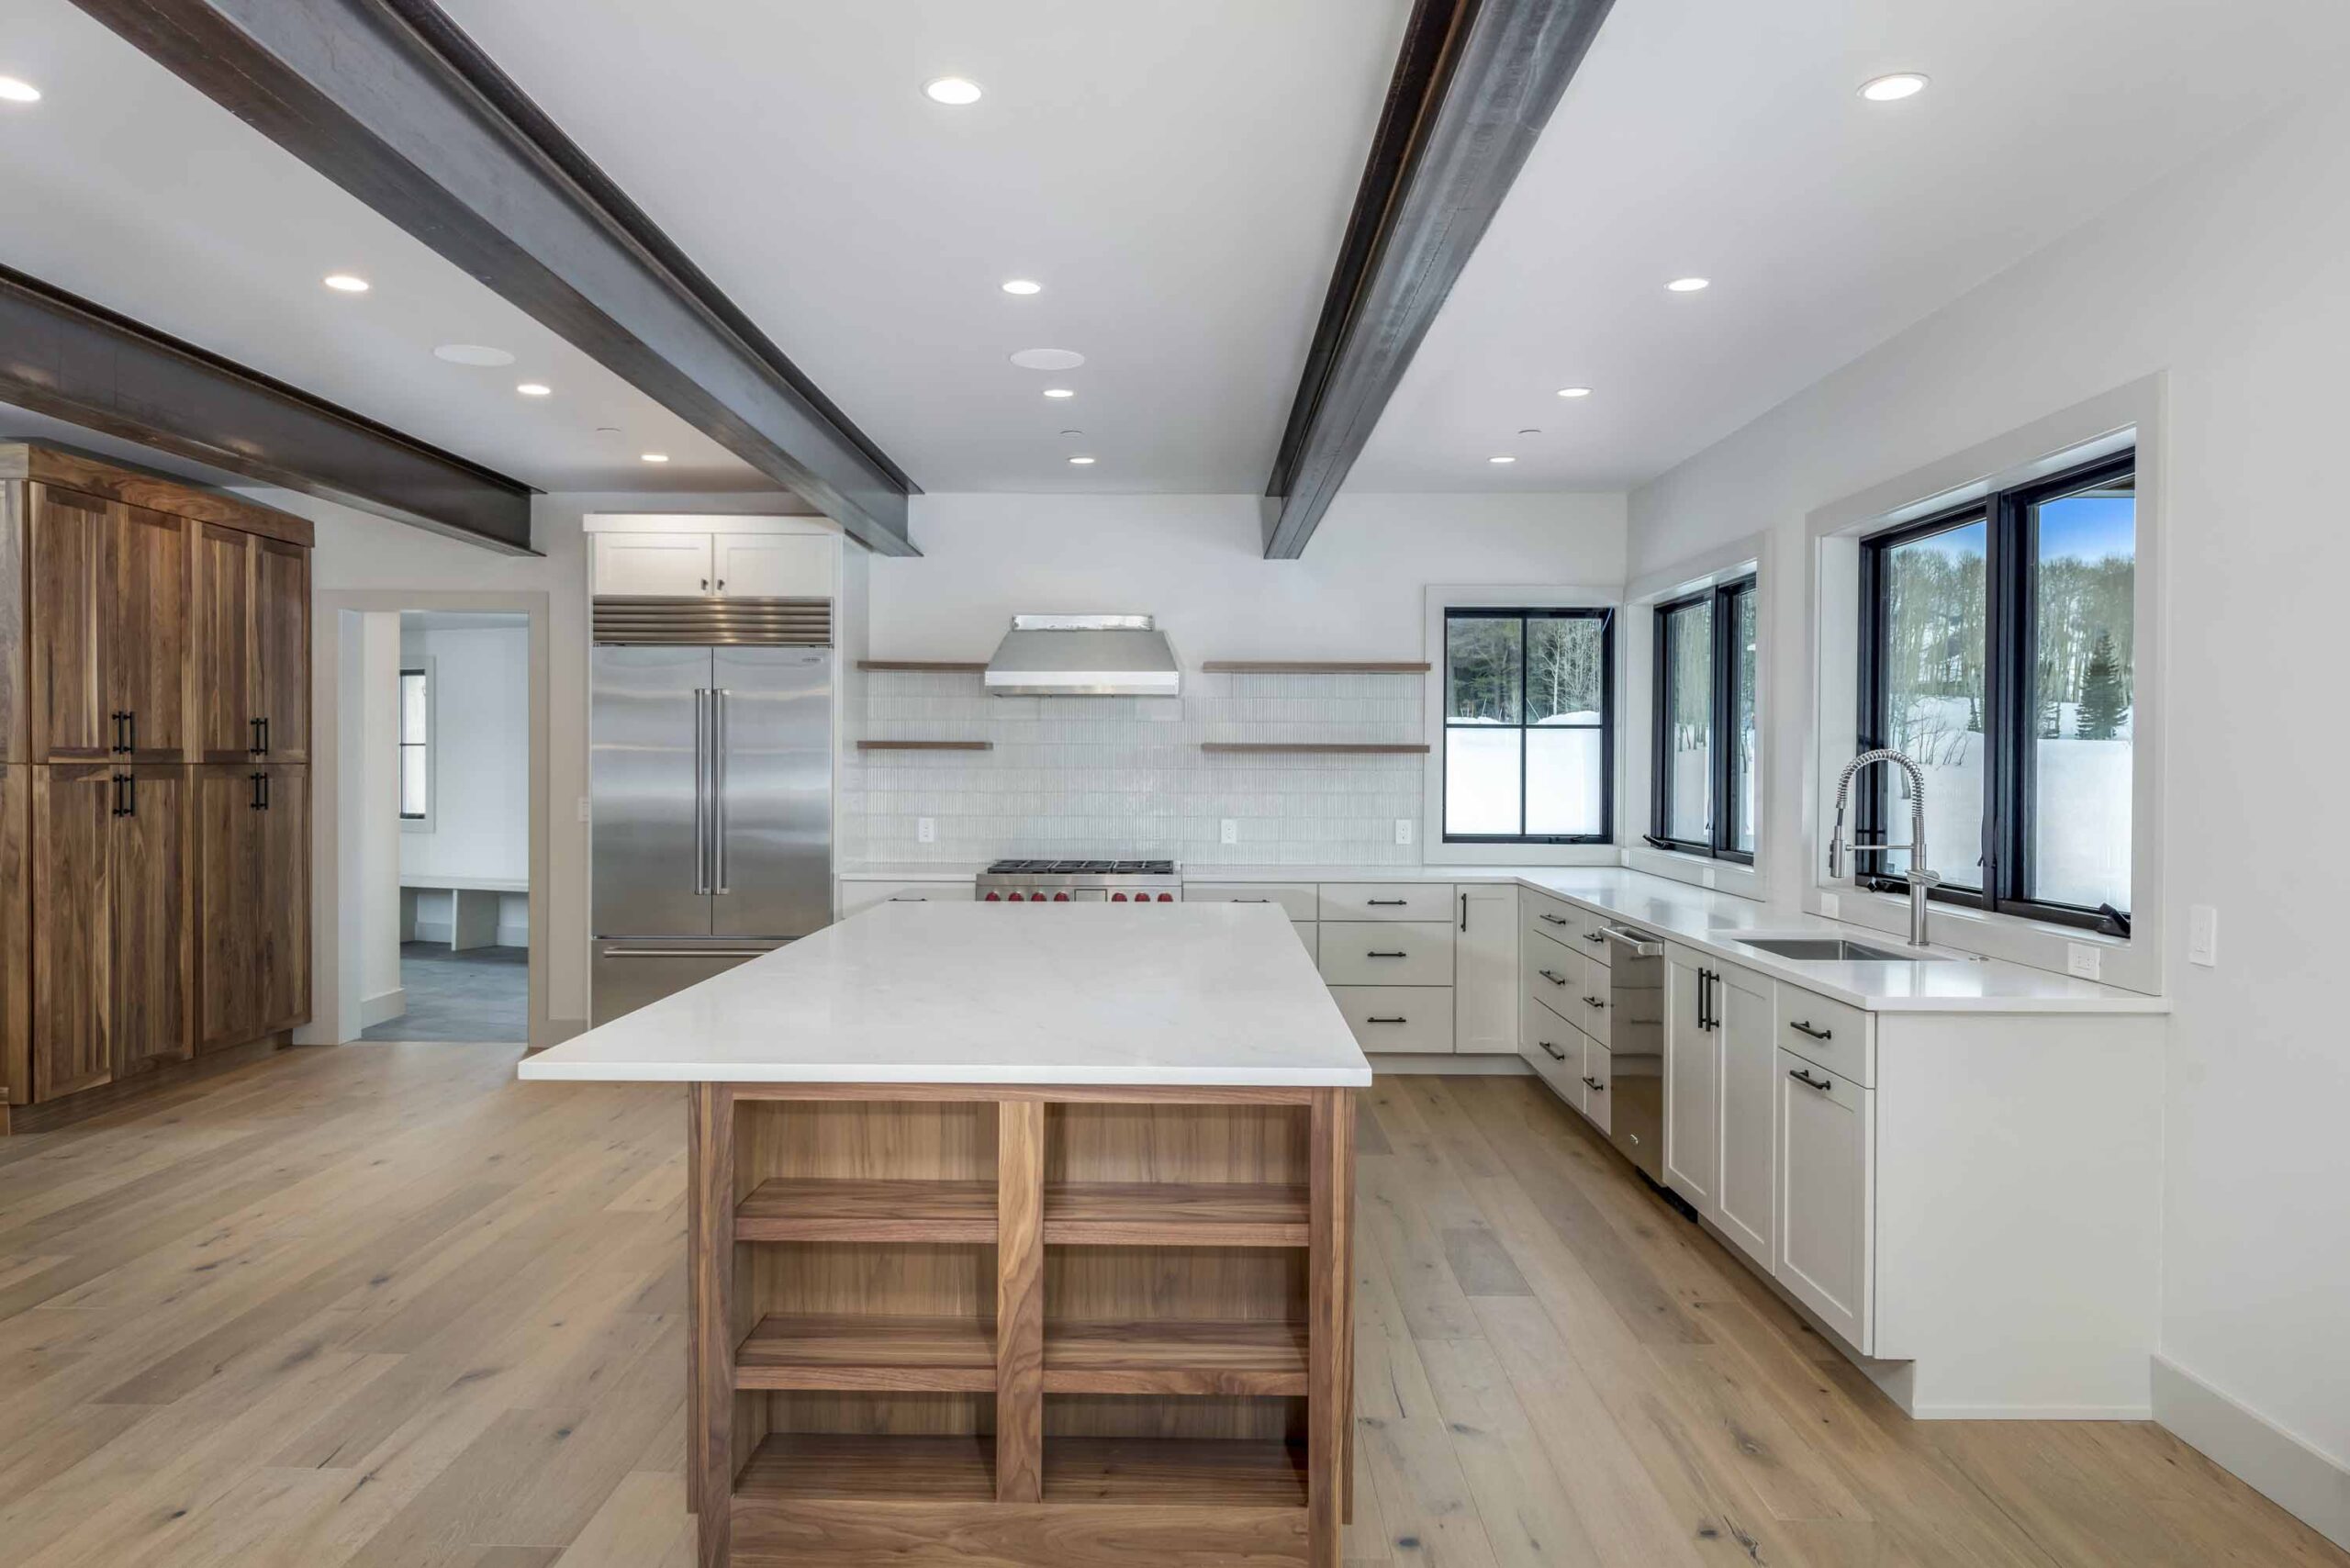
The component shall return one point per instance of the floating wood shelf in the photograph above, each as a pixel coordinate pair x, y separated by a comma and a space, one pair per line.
783, 1209
1164, 1357
926, 746
1310, 666
1175, 1213
845, 1351
933, 666
1313, 749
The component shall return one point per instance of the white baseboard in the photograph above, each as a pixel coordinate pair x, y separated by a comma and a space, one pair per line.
430, 931
2311, 1485
383, 1007
1433, 1064
514, 935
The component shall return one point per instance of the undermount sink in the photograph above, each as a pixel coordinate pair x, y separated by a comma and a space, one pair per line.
1836, 950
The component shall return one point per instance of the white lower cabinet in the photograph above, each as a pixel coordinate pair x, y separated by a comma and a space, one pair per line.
1693, 1081
1380, 952
1599, 1084
856, 896
1416, 1019
1484, 970
1740, 1013
1553, 1049
1311, 935
1825, 1123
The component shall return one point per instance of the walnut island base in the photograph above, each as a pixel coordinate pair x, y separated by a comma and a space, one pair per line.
1012, 1298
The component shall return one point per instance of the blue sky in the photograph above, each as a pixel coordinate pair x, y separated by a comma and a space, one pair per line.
2090, 527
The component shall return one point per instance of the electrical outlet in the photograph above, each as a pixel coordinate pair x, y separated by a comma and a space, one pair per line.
585, 809
1403, 830
1231, 834
2081, 959
2203, 935
926, 830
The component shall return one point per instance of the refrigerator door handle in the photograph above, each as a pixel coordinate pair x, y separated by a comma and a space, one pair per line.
702, 792
718, 789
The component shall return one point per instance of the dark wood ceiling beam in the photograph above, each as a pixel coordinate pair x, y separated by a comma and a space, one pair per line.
75, 361
391, 100
1474, 84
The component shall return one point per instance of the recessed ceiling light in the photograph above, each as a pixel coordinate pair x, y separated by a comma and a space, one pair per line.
345, 283
1022, 286
657, 457
1048, 359
1689, 285
1059, 392
473, 353
953, 90
16, 92
1081, 462
1892, 89
1501, 459
1574, 391
533, 388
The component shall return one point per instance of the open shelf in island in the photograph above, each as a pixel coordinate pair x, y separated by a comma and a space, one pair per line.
1014, 1327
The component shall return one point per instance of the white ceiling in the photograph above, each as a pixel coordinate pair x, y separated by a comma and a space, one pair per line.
1177, 174
127, 187
1726, 139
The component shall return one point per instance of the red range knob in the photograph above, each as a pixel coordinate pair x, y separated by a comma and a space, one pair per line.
1061, 898
1166, 898
1117, 898
995, 898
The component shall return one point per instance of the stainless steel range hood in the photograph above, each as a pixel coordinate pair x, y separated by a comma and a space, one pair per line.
1085, 655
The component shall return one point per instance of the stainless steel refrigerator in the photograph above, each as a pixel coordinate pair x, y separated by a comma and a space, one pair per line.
712, 772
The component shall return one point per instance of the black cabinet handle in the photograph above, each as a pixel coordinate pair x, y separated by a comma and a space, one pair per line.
1554, 980
1382, 903
256, 748
130, 730
264, 792
1387, 955
1386, 1020
1804, 1028
1595, 936
1594, 1084
1707, 1017
120, 744
264, 751
1556, 919
1556, 1054
1805, 1079
1592, 1001
119, 802
1464, 911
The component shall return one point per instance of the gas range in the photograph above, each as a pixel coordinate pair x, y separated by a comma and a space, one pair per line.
1082, 882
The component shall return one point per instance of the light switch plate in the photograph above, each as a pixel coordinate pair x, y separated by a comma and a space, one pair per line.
1403, 830
2081, 959
925, 830
2203, 935
1231, 834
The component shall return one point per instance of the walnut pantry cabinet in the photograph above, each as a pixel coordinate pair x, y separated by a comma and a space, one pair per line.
154, 804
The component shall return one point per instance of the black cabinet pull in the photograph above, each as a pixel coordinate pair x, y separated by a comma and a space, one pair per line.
1554, 980
1599, 937
1594, 1084
1556, 1054
1804, 1028
264, 751
1386, 1020
264, 792
253, 805
1381, 903
131, 794
119, 744
1805, 1079
118, 804
254, 726
1705, 1017
1464, 911
1592, 1001
1556, 919
1387, 955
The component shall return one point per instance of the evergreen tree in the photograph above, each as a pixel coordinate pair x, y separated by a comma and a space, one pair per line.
2103, 702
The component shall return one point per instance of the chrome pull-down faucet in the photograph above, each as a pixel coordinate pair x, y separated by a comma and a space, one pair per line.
1919, 879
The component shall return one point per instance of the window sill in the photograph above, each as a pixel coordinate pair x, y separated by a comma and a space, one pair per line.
2125, 963
1697, 870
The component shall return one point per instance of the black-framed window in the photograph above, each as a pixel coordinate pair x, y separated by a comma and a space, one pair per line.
1529, 726
1702, 783
1998, 651
416, 755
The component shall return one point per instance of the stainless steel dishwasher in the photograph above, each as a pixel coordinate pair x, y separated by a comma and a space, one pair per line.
1636, 1048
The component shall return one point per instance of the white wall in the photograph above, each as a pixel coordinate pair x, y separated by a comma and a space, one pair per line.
2227, 278
481, 753
379, 846
1197, 563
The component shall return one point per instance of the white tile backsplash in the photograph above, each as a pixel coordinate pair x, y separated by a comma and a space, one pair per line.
1125, 776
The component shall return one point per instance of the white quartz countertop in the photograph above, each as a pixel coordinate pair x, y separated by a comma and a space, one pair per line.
1199, 994
1709, 922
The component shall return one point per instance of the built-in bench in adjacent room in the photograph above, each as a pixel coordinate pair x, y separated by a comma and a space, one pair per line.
466, 912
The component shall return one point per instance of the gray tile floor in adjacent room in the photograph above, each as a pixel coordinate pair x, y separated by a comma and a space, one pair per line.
482, 993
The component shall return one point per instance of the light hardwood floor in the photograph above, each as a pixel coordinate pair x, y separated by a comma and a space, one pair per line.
382, 1305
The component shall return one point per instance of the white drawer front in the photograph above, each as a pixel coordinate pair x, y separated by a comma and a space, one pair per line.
1553, 1050
1598, 1085
1311, 934
1298, 900
1554, 918
1387, 901
1829, 1032
1416, 1018
1359, 952
857, 896
1592, 1007
1555, 978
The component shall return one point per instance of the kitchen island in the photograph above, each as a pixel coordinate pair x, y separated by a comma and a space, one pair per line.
1016, 1236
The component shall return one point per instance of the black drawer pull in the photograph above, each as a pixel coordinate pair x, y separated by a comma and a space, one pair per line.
1387, 955
1594, 1084
1595, 936
1554, 980
1387, 1020
1805, 1079
1803, 1028
1557, 919
1556, 1054
1386, 904
1592, 1001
